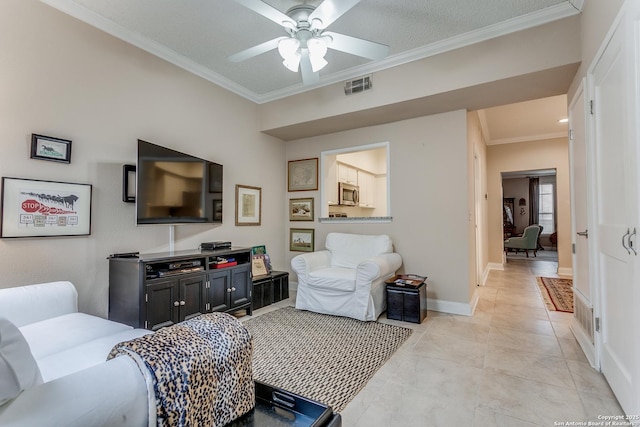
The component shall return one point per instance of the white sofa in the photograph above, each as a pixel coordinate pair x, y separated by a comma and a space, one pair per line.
347, 278
71, 383
56, 366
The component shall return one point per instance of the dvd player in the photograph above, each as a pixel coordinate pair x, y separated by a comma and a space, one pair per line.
184, 264
210, 246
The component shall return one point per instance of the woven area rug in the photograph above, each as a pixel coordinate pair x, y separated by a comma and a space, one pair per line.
325, 358
557, 293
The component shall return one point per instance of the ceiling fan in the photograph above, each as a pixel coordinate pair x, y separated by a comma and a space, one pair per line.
307, 40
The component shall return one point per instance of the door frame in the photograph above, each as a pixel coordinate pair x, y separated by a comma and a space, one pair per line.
590, 350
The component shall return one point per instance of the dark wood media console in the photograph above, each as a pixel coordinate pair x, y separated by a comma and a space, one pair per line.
152, 291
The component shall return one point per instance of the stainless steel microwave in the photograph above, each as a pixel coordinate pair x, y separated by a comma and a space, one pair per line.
348, 194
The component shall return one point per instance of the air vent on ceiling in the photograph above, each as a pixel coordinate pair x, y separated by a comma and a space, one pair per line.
358, 85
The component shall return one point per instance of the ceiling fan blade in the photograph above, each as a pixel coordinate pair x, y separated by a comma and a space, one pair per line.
255, 50
356, 46
330, 10
268, 12
308, 76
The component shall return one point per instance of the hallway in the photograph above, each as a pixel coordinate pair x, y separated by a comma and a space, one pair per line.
512, 364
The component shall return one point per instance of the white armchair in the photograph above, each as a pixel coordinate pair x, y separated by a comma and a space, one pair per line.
347, 278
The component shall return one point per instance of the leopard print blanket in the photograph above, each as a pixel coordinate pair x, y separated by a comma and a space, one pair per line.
200, 369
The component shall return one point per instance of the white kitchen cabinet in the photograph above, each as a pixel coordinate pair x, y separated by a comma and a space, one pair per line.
366, 182
347, 174
331, 183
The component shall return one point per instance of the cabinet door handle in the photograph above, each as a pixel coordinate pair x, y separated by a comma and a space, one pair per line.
176, 303
233, 289
229, 290
182, 303
584, 233
630, 242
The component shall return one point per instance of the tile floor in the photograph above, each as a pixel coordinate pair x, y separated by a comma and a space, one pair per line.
511, 364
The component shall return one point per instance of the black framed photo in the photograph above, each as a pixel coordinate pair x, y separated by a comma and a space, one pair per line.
129, 183
35, 208
49, 148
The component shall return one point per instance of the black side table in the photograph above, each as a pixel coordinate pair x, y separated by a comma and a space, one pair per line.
407, 298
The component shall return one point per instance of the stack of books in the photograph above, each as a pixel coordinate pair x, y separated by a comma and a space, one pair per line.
412, 280
222, 262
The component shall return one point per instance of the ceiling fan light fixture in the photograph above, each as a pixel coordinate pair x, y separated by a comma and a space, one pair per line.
292, 63
317, 47
317, 50
317, 63
289, 49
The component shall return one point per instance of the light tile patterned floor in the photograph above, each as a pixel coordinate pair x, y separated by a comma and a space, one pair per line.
511, 364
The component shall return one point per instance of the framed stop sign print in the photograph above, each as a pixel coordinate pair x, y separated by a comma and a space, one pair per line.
35, 208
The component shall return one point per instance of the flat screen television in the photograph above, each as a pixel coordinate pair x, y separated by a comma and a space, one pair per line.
176, 188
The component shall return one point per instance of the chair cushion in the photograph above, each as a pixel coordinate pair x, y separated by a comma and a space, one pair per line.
18, 369
60, 333
85, 355
349, 250
337, 279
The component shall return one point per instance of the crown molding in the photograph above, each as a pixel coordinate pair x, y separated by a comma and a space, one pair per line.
528, 138
541, 17
98, 21
544, 16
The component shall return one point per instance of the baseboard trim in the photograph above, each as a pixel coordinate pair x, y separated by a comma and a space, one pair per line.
485, 275
452, 307
585, 343
495, 266
564, 271
437, 305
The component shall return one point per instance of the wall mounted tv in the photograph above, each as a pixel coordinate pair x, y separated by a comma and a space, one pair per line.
176, 188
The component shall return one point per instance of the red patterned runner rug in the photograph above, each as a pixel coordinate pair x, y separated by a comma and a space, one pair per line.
557, 293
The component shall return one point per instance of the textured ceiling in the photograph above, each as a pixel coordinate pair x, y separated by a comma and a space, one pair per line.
199, 35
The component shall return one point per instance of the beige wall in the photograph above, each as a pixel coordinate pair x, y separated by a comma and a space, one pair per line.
429, 203
546, 154
62, 78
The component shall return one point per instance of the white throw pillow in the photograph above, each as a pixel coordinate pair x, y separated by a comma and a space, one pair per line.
18, 368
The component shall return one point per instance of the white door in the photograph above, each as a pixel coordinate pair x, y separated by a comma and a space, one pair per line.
614, 92
583, 301
477, 200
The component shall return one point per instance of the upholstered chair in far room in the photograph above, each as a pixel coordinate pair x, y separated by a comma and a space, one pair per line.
347, 278
528, 241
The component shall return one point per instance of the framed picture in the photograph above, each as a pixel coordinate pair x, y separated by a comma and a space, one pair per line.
301, 239
34, 208
217, 210
48, 148
303, 174
248, 205
301, 209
